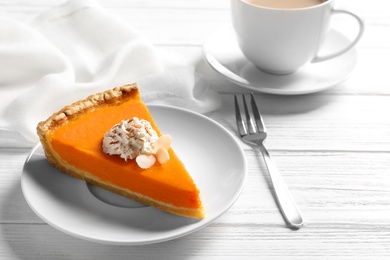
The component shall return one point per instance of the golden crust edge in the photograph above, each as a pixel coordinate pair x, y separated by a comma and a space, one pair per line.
80, 107
117, 94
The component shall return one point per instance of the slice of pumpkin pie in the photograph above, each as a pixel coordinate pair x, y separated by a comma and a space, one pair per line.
111, 140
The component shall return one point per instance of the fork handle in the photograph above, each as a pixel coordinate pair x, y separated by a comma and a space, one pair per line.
286, 202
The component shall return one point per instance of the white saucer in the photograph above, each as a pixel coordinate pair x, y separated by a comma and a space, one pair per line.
223, 54
78, 209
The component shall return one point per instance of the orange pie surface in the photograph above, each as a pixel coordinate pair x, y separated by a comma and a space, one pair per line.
72, 140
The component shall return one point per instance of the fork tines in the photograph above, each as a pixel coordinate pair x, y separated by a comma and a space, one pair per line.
254, 122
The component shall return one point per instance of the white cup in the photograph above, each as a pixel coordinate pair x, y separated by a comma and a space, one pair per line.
281, 40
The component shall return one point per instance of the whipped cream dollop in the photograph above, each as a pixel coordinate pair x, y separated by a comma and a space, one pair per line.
130, 138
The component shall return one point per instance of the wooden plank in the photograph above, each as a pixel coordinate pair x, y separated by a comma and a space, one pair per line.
13, 206
319, 122
214, 241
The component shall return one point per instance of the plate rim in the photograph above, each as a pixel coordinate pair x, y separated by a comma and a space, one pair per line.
164, 237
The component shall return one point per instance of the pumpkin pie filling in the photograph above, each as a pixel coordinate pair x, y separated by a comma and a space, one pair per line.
73, 143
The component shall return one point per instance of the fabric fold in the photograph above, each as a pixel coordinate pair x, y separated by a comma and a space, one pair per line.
78, 49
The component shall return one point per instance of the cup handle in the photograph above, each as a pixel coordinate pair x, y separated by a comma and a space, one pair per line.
349, 46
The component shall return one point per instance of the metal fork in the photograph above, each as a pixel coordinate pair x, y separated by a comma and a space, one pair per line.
253, 131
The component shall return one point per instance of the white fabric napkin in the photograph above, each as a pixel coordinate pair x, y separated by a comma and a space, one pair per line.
77, 49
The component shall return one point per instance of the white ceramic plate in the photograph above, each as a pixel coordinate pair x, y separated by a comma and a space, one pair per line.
223, 54
211, 154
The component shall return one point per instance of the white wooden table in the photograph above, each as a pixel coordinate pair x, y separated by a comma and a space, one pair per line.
332, 148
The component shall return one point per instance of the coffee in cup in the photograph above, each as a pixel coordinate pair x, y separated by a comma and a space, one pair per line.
285, 4
280, 36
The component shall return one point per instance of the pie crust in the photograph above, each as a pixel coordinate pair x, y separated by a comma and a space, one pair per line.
158, 193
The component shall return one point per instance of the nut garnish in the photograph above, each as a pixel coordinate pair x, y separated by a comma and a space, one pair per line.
162, 155
145, 161
136, 139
